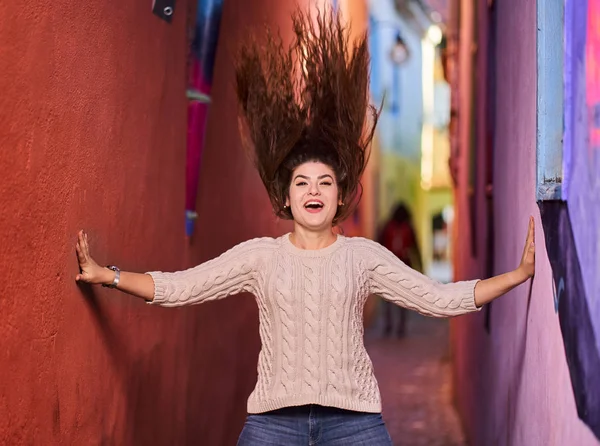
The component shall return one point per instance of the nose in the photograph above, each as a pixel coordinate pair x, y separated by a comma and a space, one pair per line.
314, 189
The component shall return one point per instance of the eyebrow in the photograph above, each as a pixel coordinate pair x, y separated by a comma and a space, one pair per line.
308, 178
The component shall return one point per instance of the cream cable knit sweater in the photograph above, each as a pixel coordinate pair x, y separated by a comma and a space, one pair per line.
311, 313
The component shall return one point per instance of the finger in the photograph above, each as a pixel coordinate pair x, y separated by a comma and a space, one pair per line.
80, 256
82, 250
81, 243
529, 238
86, 246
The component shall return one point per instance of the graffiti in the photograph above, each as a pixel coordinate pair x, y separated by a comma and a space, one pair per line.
592, 62
558, 292
574, 313
572, 227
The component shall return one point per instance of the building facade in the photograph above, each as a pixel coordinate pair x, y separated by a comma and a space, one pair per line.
523, 130
94, 136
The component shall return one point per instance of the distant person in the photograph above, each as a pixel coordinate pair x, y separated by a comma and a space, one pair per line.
306, 128
440, 238
398, 235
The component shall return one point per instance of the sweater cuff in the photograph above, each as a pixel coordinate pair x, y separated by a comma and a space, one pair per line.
160, 287
468, 302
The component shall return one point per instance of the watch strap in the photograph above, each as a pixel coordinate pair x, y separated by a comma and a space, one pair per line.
117, 278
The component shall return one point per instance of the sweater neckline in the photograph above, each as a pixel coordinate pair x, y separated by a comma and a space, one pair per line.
290, 247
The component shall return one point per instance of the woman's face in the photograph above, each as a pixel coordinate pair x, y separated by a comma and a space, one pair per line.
314, 196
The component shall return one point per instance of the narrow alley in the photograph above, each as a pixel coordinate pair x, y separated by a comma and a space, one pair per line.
415, 380
143, 167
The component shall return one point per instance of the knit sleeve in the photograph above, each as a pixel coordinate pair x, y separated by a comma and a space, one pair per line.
393, 280
233, 272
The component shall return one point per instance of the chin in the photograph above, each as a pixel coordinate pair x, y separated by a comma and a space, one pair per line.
317, 225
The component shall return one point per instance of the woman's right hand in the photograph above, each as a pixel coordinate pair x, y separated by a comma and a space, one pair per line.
90, 271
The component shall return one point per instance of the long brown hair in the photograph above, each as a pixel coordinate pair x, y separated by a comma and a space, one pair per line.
307, 102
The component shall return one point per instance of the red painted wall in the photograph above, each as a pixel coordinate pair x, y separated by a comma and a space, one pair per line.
92, 132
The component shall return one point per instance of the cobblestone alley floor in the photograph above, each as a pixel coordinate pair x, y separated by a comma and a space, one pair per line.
415, 383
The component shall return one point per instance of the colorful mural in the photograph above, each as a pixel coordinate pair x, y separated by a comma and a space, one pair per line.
202, 61
592, 83
573, 228
582, 142
574, 315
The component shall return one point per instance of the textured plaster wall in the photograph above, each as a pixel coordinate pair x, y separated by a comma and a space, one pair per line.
512, 384
92, 130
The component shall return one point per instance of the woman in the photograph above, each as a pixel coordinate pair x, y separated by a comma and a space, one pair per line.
307, 132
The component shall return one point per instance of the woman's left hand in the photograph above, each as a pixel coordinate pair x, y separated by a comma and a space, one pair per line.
489, 289
527, 266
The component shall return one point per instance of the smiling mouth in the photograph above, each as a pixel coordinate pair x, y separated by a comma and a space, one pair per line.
313, 206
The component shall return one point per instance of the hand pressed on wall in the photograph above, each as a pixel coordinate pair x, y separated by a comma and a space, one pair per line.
136, 284
89, 270
489, 289
527, 265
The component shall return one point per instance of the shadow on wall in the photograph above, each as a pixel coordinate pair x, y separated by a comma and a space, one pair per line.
574, 315
140, 379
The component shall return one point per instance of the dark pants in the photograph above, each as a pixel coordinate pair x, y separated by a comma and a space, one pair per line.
314, 425
388, 309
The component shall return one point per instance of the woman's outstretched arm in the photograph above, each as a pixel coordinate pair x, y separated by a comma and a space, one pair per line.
136, 284
489, 289
390, 278
235, 271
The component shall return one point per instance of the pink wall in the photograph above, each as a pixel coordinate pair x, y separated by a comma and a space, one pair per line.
93, 136
512, 385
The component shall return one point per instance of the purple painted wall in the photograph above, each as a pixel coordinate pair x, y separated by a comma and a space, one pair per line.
512, 383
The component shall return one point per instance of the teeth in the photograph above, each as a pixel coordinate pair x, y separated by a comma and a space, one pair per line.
313, 203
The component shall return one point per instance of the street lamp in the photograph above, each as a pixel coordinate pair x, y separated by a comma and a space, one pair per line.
399, 53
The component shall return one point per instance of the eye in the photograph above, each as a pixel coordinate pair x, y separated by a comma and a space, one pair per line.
301, 183
326, 183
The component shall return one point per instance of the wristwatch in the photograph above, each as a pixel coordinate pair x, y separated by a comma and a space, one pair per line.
115, 281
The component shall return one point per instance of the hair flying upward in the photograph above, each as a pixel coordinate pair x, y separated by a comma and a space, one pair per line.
307, 102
